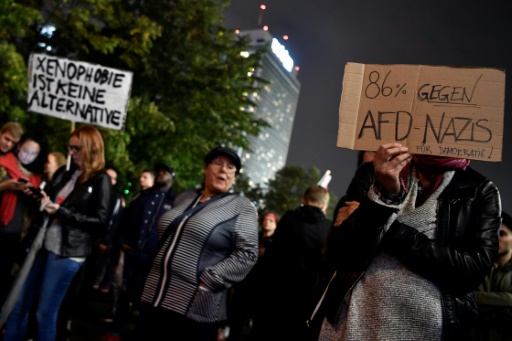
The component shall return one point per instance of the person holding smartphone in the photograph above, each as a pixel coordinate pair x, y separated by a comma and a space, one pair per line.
78, 206
19, 169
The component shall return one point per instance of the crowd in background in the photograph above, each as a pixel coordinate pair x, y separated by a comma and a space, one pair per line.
417, 249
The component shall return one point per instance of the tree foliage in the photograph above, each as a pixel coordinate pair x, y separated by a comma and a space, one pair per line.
285, 191
190, 80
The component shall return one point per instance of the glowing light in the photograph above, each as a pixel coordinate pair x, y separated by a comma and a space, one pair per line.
265, 28
263, 7
237, 31
282, 54
48, 30
285, 37
297, 68
244, 54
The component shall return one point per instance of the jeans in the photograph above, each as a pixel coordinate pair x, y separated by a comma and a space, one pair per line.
47, 284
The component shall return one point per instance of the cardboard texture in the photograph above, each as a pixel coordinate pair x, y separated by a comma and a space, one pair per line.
433, 110
78, 91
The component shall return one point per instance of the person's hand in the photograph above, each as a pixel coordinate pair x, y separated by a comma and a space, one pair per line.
345, 212
389, 160
51, 208
13, 185
36, 193
126, 248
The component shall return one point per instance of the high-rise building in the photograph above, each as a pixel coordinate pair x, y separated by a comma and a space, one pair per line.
276, 104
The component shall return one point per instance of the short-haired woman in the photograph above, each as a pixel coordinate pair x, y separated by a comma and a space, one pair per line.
209, 241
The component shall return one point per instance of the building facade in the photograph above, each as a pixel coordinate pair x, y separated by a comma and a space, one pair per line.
276, 104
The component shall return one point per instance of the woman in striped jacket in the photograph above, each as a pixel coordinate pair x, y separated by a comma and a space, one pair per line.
208, 242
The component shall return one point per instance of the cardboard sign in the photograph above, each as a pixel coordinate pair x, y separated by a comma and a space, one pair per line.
78, 91
435, 110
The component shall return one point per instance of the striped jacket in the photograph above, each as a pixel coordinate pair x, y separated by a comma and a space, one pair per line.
217, 246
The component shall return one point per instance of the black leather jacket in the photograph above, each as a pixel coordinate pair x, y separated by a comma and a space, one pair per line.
84, 213
468, 221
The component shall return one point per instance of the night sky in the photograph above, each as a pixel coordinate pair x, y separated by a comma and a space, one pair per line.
326, 34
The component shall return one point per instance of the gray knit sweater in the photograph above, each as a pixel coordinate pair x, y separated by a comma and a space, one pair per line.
391, 302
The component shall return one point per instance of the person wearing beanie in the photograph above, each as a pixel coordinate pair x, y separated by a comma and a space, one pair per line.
208, 243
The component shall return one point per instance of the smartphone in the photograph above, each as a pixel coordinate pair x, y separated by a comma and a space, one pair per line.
24, 180
36, 192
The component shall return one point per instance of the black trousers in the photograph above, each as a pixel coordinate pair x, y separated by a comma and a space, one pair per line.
163, 324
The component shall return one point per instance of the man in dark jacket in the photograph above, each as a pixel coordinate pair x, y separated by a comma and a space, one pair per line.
140, 241
410, 256
290, 268
494, 295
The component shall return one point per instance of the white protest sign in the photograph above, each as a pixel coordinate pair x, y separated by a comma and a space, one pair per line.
433, 110
78, 91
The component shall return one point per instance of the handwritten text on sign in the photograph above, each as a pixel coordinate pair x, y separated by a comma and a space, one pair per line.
446, 111
78, 91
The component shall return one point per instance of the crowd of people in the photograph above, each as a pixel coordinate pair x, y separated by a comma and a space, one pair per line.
417, 249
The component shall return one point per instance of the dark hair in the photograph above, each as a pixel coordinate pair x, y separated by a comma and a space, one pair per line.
360, 156
36, 166
506, 220
147, 170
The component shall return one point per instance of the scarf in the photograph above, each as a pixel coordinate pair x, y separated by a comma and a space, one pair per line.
433, 168
8, 204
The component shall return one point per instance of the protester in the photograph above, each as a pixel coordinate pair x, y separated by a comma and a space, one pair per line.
19, 170
147, 179
55, 161
103, 260
10, 134
78, 207
291, 267
208, 242
410, 256
140, 240
244, 297
494, 295
109, 246
346, 206
268, 227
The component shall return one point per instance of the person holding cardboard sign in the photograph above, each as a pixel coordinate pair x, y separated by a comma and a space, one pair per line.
410, 256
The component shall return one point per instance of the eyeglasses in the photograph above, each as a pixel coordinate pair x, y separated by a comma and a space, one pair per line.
73, 148
230, 168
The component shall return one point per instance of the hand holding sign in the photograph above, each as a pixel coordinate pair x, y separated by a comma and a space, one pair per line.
389, 160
